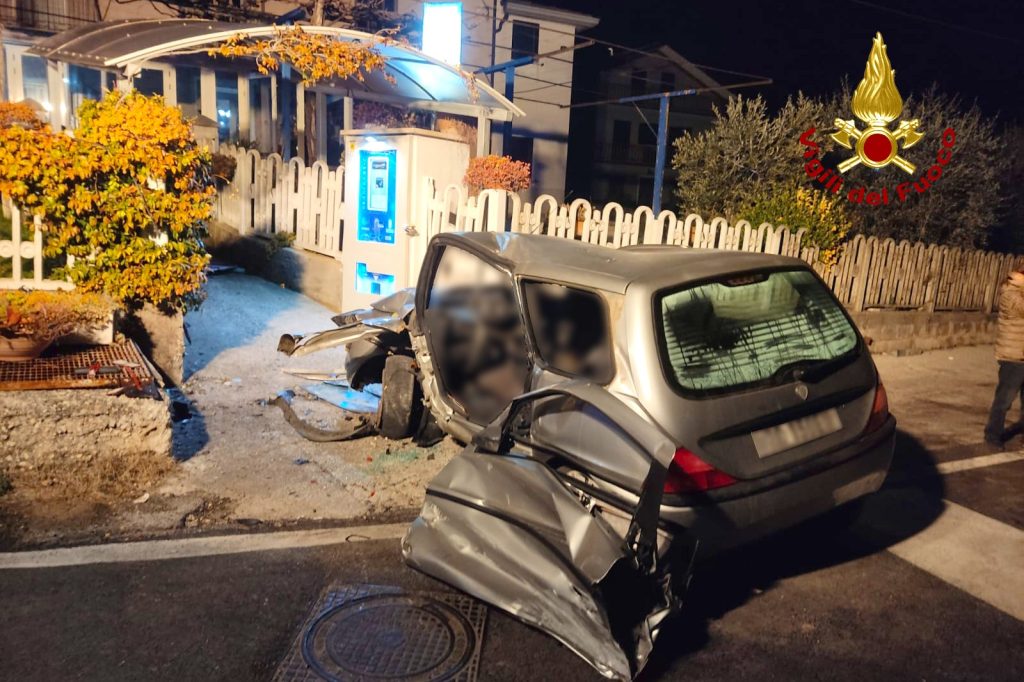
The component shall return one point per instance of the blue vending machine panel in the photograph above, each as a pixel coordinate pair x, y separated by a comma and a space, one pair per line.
374, 283
377, 196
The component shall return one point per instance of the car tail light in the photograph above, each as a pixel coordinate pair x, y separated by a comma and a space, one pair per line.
688, 473
879, 410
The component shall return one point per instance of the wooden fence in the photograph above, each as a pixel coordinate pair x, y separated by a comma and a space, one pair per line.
870, 273
268, 195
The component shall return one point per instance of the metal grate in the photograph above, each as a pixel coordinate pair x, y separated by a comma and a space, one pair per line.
56, 368
360, 632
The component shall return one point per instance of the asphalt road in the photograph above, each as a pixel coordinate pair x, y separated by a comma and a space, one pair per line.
811, 603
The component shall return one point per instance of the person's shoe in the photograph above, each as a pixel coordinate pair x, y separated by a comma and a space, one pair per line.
994, 445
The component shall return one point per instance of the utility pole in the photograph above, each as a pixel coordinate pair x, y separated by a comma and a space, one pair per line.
663, 100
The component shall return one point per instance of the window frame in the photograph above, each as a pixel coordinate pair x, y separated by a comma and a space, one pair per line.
538, 358
518, 53
658, 329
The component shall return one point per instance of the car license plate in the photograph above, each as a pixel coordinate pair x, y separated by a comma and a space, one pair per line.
776, 439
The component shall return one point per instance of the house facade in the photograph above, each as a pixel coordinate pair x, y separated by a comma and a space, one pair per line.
245, 107
622, 154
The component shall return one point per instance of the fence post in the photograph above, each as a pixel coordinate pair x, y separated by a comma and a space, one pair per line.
863, 267
931, 291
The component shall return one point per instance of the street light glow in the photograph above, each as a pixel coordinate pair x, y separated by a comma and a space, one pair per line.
442, 31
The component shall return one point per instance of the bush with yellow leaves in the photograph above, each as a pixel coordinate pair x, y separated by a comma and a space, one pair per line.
822, 214
128, 196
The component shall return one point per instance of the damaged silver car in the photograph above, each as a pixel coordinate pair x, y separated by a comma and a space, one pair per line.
621, 407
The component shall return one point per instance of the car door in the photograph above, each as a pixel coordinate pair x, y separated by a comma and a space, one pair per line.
474, 333
503, 523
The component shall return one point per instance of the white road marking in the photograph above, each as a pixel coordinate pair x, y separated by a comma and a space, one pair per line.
160, 550
973, 552
978, 462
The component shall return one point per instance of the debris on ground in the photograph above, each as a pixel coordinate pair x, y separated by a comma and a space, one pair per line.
341, 394
207, 512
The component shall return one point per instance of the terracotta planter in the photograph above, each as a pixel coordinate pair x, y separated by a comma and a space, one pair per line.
21, 348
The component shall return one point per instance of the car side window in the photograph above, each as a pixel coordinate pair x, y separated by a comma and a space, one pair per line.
460, 271
476, 334
570, 329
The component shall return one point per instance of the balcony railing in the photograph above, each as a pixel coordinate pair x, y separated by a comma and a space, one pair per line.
51, 16
641, 155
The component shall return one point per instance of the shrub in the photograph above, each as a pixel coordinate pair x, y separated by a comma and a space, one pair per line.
822, 214
127, 196
222, 167
497, 172
51, 314
749, 152
18, 113
374, 114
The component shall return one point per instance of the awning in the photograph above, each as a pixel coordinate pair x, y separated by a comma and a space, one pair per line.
420, 80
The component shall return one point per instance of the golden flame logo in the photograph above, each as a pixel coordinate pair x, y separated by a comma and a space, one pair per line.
877, 103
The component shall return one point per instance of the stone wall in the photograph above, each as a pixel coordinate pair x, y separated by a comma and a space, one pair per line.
312, 274
160, 336
64, 436
916, 331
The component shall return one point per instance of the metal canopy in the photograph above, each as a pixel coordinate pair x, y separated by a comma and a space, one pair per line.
420, 80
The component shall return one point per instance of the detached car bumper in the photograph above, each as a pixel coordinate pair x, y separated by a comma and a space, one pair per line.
721, 524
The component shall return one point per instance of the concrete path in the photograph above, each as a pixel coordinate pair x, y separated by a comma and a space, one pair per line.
239, 463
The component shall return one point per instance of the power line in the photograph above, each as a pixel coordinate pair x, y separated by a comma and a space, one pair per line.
932, 20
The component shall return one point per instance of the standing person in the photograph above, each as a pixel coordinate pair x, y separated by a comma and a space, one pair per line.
1010, 354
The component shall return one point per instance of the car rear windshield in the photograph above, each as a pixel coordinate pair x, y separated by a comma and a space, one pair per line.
743, 331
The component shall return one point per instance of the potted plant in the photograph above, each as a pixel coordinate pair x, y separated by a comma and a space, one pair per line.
32, 320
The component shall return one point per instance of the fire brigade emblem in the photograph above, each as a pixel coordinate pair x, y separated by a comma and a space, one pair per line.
877, 103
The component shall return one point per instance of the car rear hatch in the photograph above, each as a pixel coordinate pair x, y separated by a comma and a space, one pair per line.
752, 372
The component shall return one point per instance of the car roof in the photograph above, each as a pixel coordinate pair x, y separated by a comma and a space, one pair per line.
601, 267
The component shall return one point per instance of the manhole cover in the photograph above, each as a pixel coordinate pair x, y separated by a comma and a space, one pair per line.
370, 632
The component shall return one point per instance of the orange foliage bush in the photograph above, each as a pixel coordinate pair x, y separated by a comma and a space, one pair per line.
51, 314
315, 56
497, 172
18, 113
127, 196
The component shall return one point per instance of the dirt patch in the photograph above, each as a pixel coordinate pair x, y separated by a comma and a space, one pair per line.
210, 512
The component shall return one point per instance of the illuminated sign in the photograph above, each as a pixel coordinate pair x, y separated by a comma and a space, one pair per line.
373, 283
442, 31
377, 196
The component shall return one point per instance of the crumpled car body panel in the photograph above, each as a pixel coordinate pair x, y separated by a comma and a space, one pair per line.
527, 545
389, 314
504, 526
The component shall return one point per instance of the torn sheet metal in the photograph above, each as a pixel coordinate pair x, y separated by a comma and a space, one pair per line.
398, 305
300, 344
509, 530
316, 374
351, 426
344, 396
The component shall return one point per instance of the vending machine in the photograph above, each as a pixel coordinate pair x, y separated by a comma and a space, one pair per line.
384, 174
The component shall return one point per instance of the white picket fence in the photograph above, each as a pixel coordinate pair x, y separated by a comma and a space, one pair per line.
15, 251
268, 195
870, 273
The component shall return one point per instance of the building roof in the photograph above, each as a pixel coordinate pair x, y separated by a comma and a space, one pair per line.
419, 79
530, 10
600, 267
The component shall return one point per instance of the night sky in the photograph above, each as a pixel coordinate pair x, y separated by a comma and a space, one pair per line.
974, 48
